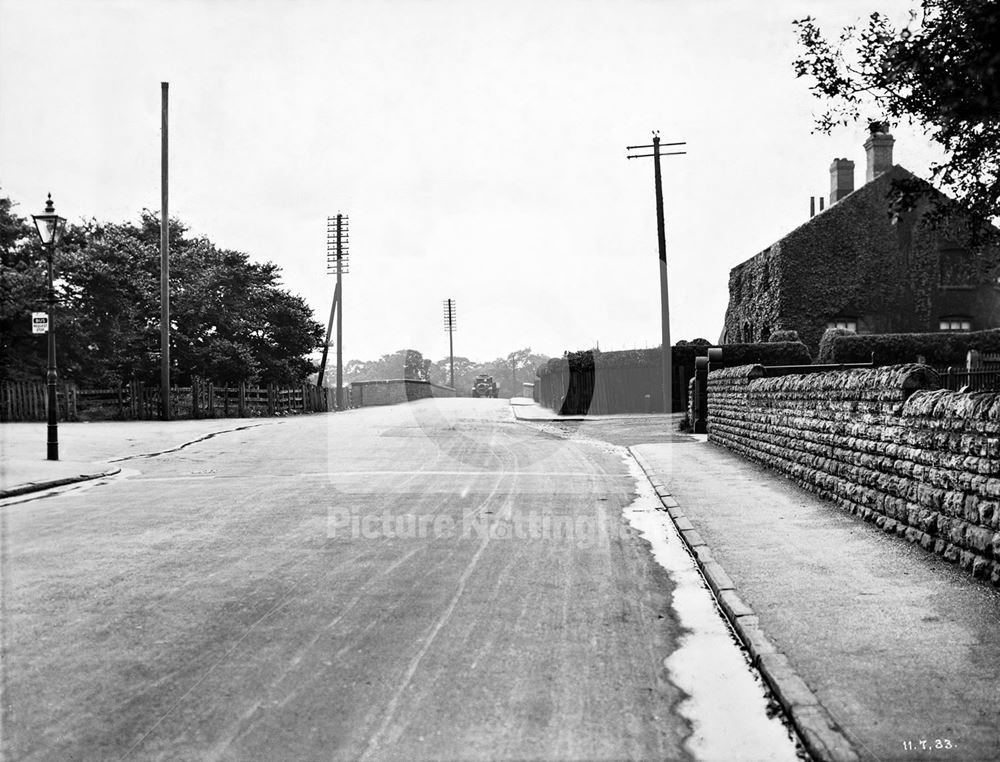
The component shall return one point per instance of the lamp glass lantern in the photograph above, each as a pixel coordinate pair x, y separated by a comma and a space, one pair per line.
50, 225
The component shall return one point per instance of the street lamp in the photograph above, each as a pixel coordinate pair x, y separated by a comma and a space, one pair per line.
50, 228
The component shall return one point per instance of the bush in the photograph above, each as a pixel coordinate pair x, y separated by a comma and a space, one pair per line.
765, 353
938, 349
826, 353
782, 336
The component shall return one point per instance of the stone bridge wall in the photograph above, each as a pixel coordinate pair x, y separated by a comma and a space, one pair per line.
394, 391
884, 443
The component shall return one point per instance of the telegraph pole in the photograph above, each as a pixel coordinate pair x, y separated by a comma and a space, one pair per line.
337, 262
329, 330
661, 239
449, 326
164, 264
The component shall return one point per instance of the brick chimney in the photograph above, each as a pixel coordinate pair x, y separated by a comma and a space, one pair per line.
878, 148
841, 179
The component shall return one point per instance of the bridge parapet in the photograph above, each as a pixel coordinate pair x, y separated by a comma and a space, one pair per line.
394, 391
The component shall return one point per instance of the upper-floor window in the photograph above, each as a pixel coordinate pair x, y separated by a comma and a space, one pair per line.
955, 323
851, 324
957, 268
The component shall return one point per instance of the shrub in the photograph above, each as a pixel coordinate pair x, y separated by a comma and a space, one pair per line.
938, 349
765, 353
782, 336
830, 335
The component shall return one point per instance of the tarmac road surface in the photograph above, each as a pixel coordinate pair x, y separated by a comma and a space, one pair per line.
432, 580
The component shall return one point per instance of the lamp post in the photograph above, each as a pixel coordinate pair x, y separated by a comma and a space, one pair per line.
50, 228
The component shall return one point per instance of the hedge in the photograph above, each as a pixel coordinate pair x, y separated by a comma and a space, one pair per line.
766, 353
938, 349
779, 336
825, 354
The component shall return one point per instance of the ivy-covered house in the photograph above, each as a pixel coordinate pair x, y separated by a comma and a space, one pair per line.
853, 266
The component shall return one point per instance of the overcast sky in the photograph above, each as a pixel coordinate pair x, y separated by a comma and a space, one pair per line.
478, 148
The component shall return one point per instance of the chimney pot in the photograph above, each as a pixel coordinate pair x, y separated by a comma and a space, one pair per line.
841, 179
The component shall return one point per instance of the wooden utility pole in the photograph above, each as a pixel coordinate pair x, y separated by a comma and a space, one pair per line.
164, 264
667, 360
449, 326
337, 263
329, 332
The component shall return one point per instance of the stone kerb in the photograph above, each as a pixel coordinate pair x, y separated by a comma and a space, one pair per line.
882, 443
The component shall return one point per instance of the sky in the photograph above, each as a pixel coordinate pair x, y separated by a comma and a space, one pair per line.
478, 149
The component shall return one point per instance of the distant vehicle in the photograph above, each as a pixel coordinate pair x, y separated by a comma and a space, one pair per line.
484, 386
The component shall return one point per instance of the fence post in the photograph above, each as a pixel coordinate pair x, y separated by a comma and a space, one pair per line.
242, 399
700, 395
194, 397
270, 399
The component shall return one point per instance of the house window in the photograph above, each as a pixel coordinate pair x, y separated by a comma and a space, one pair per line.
957, 268
955, 323
851, 324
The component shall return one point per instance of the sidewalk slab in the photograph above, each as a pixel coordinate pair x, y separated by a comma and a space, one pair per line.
896, 645
91, 450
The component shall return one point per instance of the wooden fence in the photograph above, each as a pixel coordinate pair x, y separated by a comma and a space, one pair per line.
203, 399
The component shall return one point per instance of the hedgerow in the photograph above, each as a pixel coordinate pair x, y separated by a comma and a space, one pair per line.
937, 349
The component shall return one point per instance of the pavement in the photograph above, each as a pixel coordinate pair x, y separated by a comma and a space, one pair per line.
92, 450
876, 648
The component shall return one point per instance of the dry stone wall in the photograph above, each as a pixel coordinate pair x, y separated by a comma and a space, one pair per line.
883, 443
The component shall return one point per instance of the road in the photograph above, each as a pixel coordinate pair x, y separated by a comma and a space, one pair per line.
433, 580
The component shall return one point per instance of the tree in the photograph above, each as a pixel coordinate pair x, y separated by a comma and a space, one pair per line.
940, 72
403, 363
23, 290
230, 320
516, 360
466, 371
415, 366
